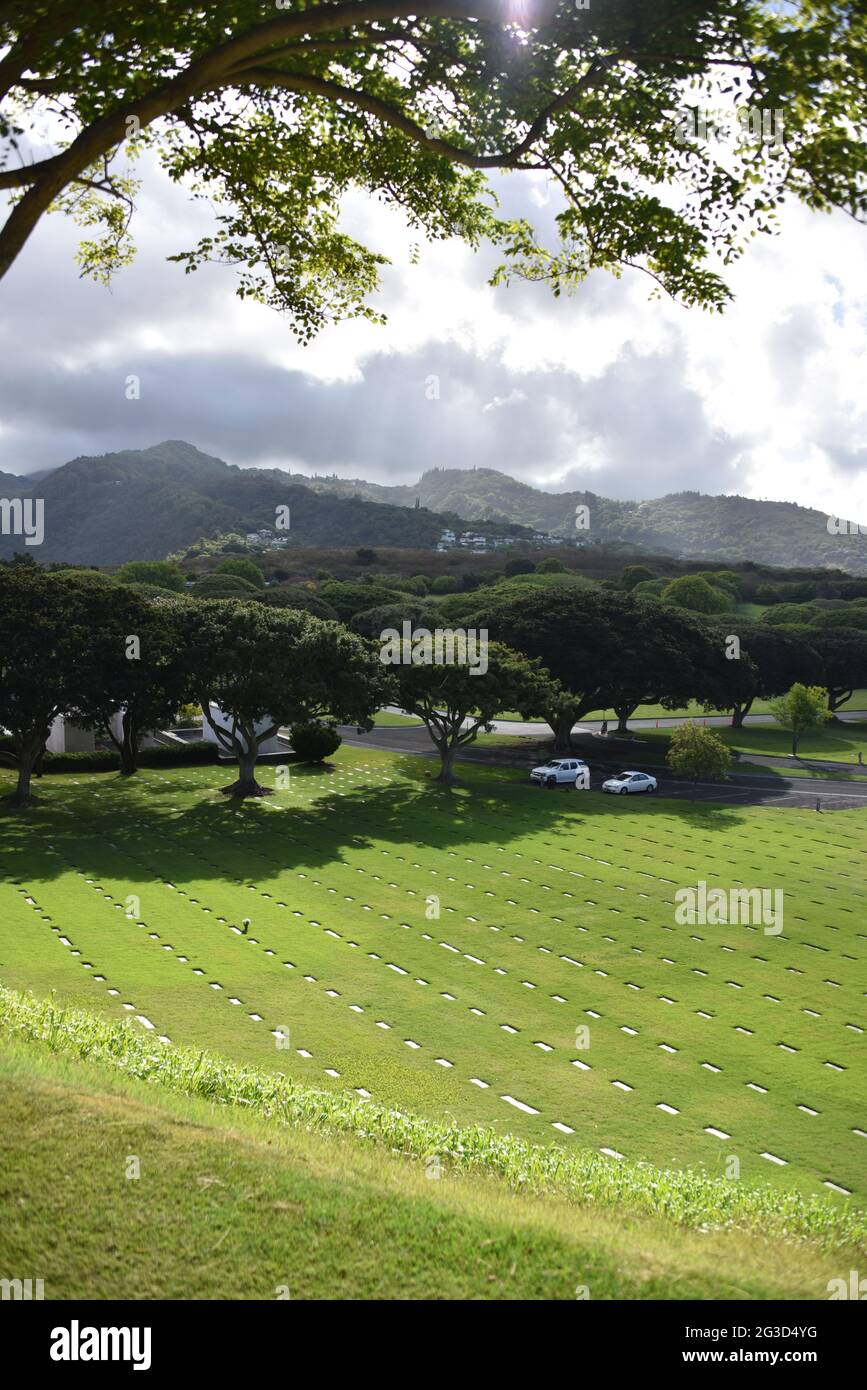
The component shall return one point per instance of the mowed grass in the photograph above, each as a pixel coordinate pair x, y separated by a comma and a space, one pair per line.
832, 743
226, 1205
393, 719
555, 914
858, 701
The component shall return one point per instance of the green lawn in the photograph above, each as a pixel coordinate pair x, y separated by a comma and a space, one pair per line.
555, 914
228, 1206
388, 719
753, 612
793, 769
692, 711
833, 743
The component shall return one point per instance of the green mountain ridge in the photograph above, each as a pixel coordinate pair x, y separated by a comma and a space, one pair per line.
688, 525
11, 485
147, 503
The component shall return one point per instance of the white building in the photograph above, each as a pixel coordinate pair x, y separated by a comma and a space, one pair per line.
223, 721
66, 737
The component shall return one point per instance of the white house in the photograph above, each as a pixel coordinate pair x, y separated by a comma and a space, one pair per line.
223, 721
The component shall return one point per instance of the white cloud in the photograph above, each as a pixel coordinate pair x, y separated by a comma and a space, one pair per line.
608, 389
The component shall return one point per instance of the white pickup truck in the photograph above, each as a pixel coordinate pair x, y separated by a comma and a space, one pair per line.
557, 771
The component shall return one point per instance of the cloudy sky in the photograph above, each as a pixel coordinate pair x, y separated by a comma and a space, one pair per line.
612, 390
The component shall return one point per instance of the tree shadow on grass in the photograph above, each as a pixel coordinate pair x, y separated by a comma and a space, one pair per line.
181, 825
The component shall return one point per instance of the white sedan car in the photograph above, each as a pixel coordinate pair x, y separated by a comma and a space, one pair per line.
630, 782
557, 771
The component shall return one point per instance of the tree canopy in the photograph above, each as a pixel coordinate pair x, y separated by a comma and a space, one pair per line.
265, 667
608, 650
274, 114
46, 622
224, 586
243, 568
159, 574
843, 654
456, 701
135, 677
694, 592
771, 659
696, 752
802, 708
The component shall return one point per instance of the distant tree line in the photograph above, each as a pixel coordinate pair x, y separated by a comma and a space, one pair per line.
123, 658
101, 654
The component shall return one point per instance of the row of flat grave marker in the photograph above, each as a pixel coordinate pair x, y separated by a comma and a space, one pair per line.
853, 1027
444, 1062
256, 1017
98, 978
544, 1046
384, 851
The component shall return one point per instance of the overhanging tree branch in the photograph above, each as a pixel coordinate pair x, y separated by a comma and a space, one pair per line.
594, 95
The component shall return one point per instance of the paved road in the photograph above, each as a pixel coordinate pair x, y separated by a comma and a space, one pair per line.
792, 792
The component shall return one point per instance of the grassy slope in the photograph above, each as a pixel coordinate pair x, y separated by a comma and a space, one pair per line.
335, 874
228, 1207
389, 719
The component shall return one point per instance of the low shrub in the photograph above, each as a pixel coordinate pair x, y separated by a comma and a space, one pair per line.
314, 742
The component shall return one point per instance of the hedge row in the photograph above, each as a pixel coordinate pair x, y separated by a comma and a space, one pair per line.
105, 760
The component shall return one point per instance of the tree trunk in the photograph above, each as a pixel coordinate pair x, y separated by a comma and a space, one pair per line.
794, 743
27, 755
246, 785
837, 697
623, 712
447, 759
739, 714
129, 746
561, 727
22, 795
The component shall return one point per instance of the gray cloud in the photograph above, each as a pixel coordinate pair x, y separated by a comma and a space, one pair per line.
68, 348
439, 405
